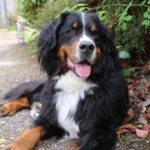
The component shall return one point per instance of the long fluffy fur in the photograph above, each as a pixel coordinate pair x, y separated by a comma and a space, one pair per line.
100, 113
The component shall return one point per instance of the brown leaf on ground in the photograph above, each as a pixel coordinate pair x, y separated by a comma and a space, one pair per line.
142, 119
147, 102
144, 104
140, 104
130, 114
146, 115
143, 110
141, 95
147, 85
147, 127
141, 133
128, 128
131, 93
133, 85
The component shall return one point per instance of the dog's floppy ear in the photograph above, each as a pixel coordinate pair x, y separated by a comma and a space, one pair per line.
47, 42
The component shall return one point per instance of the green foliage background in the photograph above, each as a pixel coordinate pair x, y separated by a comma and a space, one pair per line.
128, 20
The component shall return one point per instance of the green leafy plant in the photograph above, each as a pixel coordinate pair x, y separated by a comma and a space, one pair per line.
146, 19
29, 8
127, 72
129, 21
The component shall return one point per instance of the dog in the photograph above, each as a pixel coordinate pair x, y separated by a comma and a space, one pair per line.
85, 96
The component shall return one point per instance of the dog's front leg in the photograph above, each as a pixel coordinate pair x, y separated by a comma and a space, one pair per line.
99, 138
28, 140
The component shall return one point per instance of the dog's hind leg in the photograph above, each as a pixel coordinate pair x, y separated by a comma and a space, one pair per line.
21, 96
12, 107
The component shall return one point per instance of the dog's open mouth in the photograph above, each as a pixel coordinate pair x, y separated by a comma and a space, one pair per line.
82, 69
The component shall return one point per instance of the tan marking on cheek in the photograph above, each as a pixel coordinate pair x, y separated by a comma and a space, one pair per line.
75, 24
92, 28
98, 55
70, 51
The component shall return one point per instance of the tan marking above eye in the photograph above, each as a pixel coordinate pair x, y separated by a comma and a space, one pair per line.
75, 24
92, 28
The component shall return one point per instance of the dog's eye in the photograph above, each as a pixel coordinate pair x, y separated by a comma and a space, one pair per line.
72, 32
93, 33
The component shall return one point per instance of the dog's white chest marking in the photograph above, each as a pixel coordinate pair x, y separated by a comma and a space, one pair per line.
72, 89
35, 109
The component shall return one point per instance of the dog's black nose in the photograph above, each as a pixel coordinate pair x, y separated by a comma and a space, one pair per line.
86, 47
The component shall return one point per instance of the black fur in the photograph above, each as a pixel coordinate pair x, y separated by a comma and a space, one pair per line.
101, 113
30, 90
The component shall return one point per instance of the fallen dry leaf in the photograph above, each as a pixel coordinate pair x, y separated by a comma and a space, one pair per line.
146, 115
141, 133
147, 126
141, 95
131, 93
128, 128
142, 119
2, 141
143, 110
147, 85
147, 102
135, 84
140, 104
131, 114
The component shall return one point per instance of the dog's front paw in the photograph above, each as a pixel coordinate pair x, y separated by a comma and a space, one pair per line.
4, 111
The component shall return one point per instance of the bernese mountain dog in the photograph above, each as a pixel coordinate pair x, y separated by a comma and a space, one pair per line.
85, 97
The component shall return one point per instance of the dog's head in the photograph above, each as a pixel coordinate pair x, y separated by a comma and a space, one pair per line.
77, 42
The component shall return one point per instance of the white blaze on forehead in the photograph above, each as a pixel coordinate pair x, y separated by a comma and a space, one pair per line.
84, 38
83, 21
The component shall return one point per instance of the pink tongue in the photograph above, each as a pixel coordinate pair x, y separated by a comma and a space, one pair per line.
82, 70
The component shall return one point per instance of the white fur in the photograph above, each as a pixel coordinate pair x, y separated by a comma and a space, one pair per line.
72, 90
84, 37
35, 109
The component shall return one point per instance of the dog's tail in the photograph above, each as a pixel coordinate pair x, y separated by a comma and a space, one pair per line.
30, 90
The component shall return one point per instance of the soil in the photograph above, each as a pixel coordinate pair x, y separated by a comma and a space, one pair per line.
18, 65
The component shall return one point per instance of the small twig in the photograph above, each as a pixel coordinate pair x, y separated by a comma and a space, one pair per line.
136, 140
123, 5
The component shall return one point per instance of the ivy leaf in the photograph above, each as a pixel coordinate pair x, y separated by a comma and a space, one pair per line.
33, 1
146, 14
127, 72
128, 18
103, 2
101, 13
82, 9
146, 23
124, 55
124, 26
